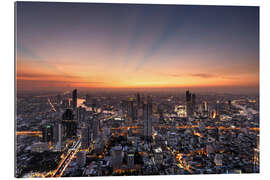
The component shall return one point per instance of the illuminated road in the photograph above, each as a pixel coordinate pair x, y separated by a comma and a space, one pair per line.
52, 106
29, 133
108, 117
39, 133
185, 127
181, 163
66, 160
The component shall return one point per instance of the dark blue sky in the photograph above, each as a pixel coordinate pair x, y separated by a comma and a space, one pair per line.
212, 41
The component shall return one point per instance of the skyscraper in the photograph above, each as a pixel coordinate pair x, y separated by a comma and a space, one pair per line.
160, 112
217, 107
57, 134
95, 127
188, 104
130, 159
124, 106
117, 156
131, 109
193, 103
147, 118
74, 99
205, 106
69, 124
81, 113
65, 103
47, 133
85, 137
81, 158
138, 100
58, 99
87, 99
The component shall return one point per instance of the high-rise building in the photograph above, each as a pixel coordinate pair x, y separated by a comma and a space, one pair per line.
65, 103
218, 159
193, 102
188, 104
256, 155
217, 107
160, 113
85, 140
147, 118
123, 105
138, 100
95, 127
130, 133
47, 133
68, 115
69, 124
131, 111
58, 134
55, 133
99, 145
205, 106
130, 159
87, 99
94, 104
117, 156
81, 113
158, 155
74, 99
81, 158
58, 99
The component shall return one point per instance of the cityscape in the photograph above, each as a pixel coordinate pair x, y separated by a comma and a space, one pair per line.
133, 90
161, 134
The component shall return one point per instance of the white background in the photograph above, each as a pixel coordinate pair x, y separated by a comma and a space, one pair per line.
7, 87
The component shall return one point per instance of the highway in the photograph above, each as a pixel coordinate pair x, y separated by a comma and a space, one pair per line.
29, 133
66, 160
52, 106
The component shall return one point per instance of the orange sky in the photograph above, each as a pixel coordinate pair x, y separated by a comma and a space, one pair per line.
125, 46
120, 76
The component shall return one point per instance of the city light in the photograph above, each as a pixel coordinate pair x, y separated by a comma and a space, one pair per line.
134, 90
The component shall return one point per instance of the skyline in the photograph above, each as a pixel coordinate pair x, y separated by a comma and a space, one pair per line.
87, 45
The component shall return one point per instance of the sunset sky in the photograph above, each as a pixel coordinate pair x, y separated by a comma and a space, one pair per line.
79, 45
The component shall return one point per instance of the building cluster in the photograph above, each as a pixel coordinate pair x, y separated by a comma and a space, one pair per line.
125, 134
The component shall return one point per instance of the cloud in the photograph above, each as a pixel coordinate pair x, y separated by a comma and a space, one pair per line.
204, 75
48, 84
207, 76
230, 77
42, 75
35, 80
175, 75
200, 75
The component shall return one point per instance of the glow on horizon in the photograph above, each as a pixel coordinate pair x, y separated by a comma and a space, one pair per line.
102, 51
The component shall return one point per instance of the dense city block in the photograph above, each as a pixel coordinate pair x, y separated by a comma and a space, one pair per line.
136, 133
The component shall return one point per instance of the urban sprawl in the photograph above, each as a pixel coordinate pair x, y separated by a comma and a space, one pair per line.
119, 133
